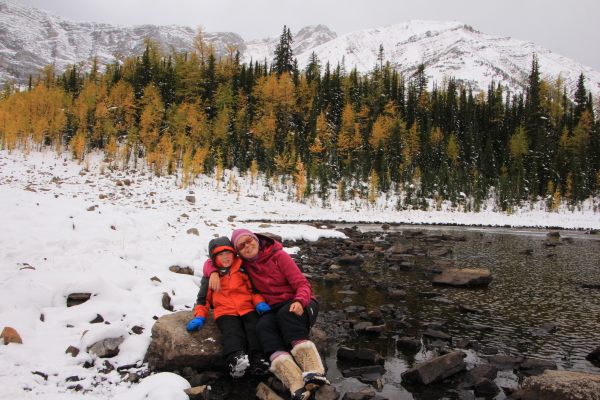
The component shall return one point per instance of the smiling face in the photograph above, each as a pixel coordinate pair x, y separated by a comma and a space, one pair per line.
225, 258
247, 246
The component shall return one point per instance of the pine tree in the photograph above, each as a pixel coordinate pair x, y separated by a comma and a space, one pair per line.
284, 55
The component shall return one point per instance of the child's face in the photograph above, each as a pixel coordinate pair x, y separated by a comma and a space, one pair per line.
225, 258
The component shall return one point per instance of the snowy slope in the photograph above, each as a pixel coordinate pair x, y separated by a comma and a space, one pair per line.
31, 38
450, 49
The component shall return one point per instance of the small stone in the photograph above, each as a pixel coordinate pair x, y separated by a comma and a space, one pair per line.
75, 299
138, 330
10, 335
97, 320
72, 350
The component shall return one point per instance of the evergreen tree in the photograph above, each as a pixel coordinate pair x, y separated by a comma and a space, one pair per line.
284, 55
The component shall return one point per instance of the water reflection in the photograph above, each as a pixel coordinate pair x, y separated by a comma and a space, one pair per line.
537, 280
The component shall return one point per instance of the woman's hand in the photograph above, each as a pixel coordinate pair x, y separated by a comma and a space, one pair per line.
297, 308
214, 282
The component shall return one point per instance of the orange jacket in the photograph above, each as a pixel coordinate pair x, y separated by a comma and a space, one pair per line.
236, 297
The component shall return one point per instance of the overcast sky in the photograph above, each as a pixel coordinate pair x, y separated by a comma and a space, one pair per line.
567, 27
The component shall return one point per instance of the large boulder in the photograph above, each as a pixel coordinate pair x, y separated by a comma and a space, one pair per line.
173, 347
562, 385
463, 277
436, 369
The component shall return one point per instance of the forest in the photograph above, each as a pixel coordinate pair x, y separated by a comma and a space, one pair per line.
327, 129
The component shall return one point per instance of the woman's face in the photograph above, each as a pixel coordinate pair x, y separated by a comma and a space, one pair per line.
247, 246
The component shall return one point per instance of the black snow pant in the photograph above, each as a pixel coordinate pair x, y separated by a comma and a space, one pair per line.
278, 328
239, 334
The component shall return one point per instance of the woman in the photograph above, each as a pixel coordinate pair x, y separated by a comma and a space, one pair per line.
284, 330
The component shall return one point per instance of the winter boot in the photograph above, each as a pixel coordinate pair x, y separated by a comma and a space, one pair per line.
285, 368
238, 364
308, 358
258, 365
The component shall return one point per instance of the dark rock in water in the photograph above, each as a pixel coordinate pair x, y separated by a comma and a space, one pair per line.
533, 367
360, 356
436, 326
366, 370
362, 326
440, 253
484, 387
326, 392
353, 309
399, 324
407, 342
433, 334
481, 328
362, 395
505, 362
468, 309
376, 329
594, 356
464, 278
407, 266
544, 330
435, 369
481, 371
429, 295
590, 286
396, 294
439, 266
488, 351
562, 385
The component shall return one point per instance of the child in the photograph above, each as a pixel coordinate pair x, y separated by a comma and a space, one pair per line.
234, 304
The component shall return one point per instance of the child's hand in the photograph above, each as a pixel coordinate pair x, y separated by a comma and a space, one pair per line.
195, 324
262, 307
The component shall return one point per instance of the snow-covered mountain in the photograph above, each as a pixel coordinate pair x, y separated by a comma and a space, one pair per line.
31, 38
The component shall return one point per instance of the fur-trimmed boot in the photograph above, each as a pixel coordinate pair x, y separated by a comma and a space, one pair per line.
285, 368
308, 358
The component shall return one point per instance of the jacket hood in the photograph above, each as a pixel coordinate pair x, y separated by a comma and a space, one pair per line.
218, 245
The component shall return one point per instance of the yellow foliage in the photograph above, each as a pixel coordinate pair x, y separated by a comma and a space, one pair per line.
300, 179
349, 137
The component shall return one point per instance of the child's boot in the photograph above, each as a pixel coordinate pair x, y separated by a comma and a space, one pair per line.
285, 368
308, 358
238, 364
258, 365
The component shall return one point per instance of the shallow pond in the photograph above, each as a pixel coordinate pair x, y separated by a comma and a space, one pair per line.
528, 290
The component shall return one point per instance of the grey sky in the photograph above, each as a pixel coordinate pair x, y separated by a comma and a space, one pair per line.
566, 27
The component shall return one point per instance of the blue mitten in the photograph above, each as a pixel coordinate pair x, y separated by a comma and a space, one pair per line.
195, 324
262, 307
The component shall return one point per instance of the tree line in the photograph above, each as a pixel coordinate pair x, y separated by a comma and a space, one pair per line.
328, 128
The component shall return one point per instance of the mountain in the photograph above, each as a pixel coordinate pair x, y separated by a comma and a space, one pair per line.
451, 49
31, 39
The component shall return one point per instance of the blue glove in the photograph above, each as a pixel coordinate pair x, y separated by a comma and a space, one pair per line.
195, 324
262, 307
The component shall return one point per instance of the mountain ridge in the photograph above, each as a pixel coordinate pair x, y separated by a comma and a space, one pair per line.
31, 39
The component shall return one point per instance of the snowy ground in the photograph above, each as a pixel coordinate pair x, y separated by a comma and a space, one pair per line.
71, 228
